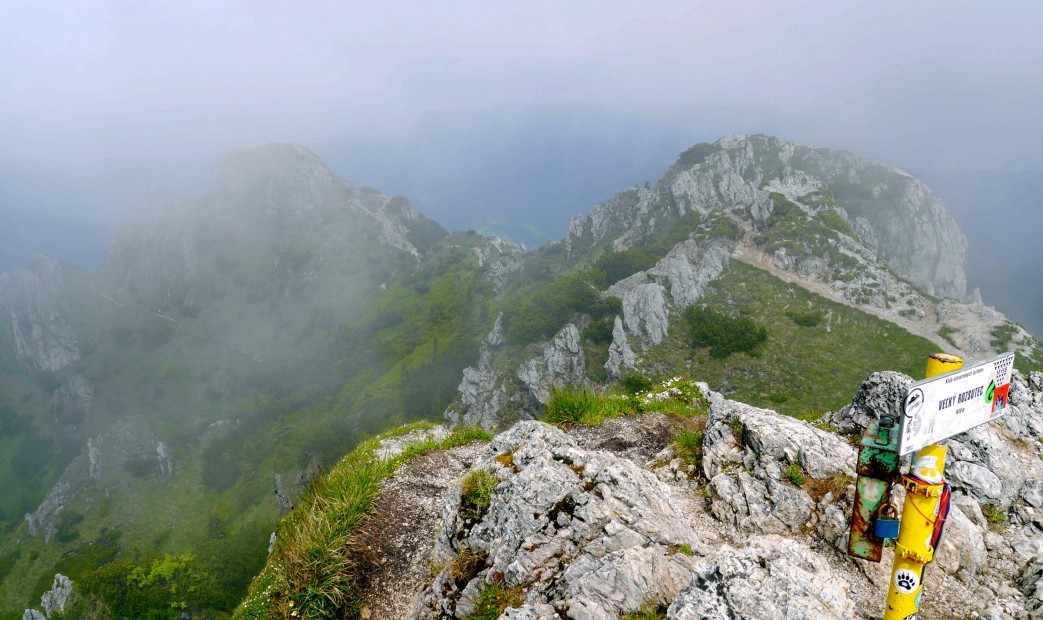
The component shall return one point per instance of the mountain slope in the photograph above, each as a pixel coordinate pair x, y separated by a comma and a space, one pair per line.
284, 308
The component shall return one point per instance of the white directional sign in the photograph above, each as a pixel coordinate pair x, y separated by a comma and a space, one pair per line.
949, 404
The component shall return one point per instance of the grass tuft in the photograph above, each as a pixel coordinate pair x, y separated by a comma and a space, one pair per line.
996, 516
649, 611
688, 445
817, 488
467, 564
570, 407
493, 599
476, 494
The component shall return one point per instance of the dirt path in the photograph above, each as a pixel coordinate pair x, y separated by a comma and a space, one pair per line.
926, 328
402, 532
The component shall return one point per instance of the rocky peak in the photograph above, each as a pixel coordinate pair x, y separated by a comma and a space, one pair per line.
896, 217
290, 186
32, 303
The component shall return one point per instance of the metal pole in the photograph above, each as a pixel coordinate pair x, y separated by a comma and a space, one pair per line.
923, 487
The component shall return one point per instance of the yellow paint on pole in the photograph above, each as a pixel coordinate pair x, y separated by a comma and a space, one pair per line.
913, 549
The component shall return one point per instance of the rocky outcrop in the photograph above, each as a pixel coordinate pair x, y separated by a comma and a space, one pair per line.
645, 314
483, 392
562, 363
590, 535
44, 519
754, 460
773, 577
620, 355
880, 394
676, 281
165, 458
499, 259
56, 598
32, 303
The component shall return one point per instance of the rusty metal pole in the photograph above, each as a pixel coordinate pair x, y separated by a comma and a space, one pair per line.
924, 488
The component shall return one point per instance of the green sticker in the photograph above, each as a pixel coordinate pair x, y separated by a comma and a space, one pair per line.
991, 392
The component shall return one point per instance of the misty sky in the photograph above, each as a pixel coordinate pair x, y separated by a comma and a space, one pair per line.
514, 119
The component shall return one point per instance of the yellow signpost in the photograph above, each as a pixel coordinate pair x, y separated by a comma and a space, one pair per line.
951, 400
913, 550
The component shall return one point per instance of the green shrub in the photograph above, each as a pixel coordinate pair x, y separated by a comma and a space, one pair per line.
795, 473
599, 331
553, 304
619, 265
476, 494
946, 333
467, 564
811, 318
833, 219
724, 334
649, 611
1002, 336
635, 384
995, 515
724, 227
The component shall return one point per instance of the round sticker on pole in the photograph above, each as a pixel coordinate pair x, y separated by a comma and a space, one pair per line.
906, 581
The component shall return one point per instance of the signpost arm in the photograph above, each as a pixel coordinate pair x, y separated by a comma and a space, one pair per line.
924, 488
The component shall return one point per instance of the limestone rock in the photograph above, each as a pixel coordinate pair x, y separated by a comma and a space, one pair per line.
620, 355
588, 533
755, 459
689, 268
1025, 418
963, 545
482, 391
645, 314
43, 520
1031, 581
71, 402
881, 393
165, 456
56, 598
773, 577
32, 302
562, 363
981, 464
156, 244
482, 395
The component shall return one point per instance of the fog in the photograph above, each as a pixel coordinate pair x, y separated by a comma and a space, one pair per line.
513, 120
